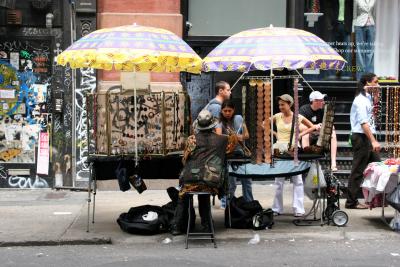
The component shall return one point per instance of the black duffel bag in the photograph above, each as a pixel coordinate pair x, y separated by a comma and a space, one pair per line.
241, 213
133, 221
263, 220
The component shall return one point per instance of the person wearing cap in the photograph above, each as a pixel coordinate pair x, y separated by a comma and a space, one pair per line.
201, 148
283, 121
314, 112
365, 147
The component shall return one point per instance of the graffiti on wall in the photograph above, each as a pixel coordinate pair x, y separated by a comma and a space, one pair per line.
20, 181
87, 85
25, 79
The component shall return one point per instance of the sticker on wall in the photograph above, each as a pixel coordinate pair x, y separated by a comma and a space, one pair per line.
21, 109
14, 60
7, 94
40, 91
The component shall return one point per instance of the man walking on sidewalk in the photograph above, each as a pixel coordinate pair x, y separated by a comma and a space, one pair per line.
365, 146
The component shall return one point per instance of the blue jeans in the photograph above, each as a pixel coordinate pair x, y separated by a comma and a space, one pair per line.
365, 46
247, 191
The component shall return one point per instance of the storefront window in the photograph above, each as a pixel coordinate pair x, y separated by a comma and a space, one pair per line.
365, 32
227, 17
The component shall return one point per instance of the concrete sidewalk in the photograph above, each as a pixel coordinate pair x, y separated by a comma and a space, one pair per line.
46, 217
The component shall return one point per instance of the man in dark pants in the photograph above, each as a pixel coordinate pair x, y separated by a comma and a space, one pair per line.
365, 146
203, 160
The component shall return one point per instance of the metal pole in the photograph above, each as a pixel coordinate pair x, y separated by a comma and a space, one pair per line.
305, 81
238, 79
135, 114
272, 114
73, 120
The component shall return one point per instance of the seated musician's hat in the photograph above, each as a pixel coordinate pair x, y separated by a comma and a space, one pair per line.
205, 121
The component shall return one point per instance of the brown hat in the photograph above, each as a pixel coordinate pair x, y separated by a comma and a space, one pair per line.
287, 98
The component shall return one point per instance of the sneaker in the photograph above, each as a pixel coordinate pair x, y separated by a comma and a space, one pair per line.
175, 230
205, 228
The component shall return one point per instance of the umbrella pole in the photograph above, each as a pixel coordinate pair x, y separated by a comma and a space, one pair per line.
241, 76
272, 114
135, 114
304, 80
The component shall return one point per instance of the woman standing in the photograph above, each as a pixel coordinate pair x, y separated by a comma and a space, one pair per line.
234, 124
283, 121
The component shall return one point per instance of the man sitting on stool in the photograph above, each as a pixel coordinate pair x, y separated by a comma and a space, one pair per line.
314, 112
203, 160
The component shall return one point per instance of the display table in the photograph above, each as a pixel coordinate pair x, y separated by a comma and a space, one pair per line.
280, 168
380, 179
103, 168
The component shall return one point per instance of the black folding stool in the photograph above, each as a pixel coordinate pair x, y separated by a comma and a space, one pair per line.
199, 235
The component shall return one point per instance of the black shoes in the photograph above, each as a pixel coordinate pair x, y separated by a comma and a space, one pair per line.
175, 230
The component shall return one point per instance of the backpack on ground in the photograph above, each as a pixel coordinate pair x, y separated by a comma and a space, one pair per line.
241, 213
144, 220
263, 219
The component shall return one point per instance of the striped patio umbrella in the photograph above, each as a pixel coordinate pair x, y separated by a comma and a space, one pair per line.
132, 48
272, 48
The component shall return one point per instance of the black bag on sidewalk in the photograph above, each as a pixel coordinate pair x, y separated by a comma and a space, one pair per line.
242, 213
171, 206
133, 221
263, 219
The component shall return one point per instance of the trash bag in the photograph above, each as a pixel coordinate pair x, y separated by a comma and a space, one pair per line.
311, 181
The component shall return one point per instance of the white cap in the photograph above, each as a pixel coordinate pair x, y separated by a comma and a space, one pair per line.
316, 95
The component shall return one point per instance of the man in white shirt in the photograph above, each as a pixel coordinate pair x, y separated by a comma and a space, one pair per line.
365, 146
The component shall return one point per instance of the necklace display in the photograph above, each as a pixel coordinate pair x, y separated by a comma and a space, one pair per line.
260, 121
387, 122
296, 121
160, 118
396, 122
251, 118
267, 125
391, 127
